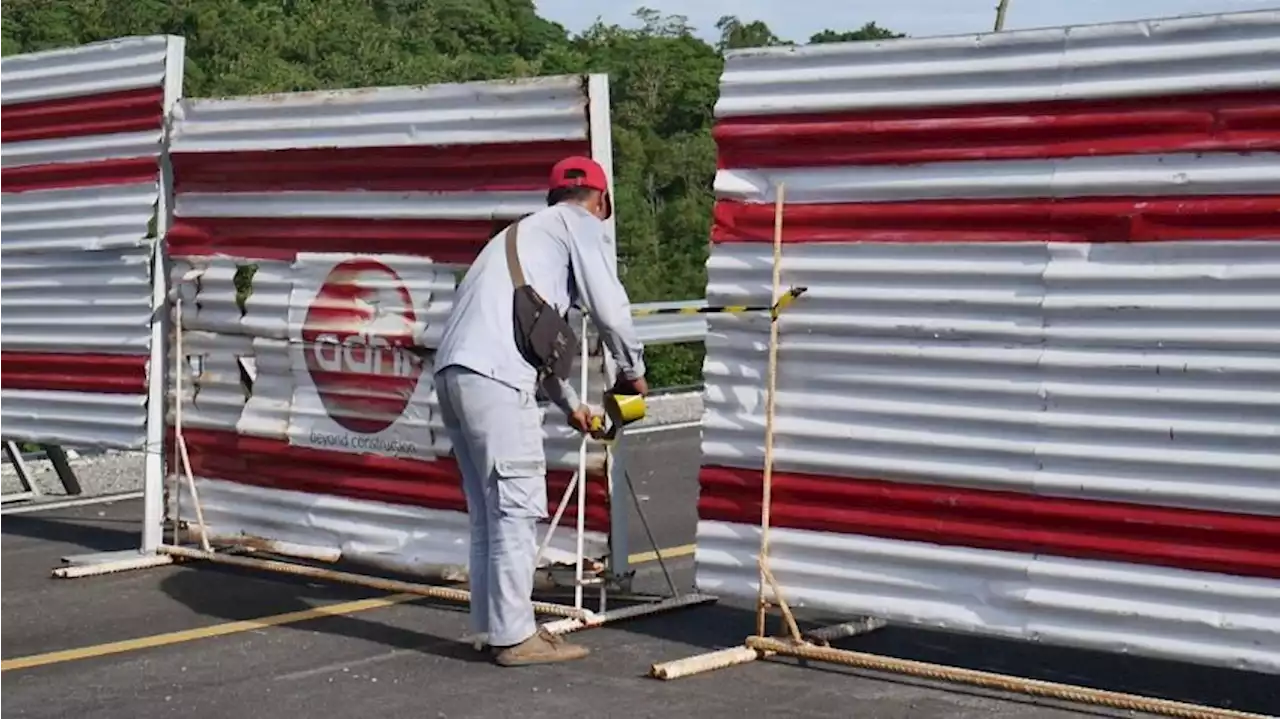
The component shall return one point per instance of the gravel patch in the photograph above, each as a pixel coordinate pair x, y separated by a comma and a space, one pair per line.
100, 473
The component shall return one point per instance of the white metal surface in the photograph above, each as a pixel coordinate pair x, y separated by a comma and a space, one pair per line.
112, 217
532, 109
373, 205
600, 127
1144, 373
1125, 608
158, 360
109, 66
1213, 53
88, 148
77, 264
77, 302
393, 537
75, 419
1124, 175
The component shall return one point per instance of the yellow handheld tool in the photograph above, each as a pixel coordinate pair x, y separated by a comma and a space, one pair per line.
622, 410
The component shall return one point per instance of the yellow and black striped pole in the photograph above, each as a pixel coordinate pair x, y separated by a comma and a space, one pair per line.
786, 299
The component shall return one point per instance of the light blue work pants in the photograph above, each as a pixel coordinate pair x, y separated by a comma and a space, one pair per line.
496, 432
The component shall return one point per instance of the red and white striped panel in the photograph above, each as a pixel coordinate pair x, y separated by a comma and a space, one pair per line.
1034, 388
82, 131
314, 203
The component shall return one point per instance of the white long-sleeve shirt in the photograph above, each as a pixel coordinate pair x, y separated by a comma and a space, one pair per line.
565, 254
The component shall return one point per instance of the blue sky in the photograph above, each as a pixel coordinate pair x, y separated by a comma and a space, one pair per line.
798, 19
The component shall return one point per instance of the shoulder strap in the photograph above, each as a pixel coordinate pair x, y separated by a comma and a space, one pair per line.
513, 258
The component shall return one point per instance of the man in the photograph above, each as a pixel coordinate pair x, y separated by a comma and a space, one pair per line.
487, 390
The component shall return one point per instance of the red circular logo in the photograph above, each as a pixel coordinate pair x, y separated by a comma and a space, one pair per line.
354, 337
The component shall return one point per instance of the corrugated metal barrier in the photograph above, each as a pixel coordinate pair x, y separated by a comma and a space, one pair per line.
82, 189
302, 220
1032, 390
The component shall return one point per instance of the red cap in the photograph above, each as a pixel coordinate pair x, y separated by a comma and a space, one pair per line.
592, 175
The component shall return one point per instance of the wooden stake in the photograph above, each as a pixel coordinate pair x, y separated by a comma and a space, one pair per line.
181, 442
703, 663
1001, 9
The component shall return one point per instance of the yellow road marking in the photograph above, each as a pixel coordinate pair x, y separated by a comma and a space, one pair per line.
217, 630
248, 625
683, 550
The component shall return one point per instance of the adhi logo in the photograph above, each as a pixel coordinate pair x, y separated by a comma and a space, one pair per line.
355, 333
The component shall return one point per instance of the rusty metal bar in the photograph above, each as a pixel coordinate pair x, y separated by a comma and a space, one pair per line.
991, 680
851, 628
330, 575
62, 467
565, 626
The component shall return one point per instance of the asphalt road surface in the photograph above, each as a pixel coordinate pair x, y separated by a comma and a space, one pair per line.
183, 647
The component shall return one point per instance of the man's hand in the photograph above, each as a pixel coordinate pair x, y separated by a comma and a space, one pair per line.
622, 385
580, 419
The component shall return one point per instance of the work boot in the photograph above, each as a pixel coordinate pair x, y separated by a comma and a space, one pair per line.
541, 648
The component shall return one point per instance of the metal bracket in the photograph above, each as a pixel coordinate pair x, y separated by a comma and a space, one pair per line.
29, 488
66, 474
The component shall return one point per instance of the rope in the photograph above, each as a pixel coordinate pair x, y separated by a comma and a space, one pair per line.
766, 499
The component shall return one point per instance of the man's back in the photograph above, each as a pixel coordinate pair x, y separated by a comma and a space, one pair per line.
562, 249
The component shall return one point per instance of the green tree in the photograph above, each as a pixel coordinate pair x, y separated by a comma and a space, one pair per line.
870, 31
736, 34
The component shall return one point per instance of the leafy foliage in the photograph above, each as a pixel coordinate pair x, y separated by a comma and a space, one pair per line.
664, 82
870, 31
736, 34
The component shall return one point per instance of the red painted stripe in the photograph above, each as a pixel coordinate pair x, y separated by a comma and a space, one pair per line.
121, 171
424, 168
436, 485
108, 113
282, 238
99, 373
1221, 122
1099, 219
1200, 540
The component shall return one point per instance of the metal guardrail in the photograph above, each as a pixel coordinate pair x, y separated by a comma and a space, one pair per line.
55, 455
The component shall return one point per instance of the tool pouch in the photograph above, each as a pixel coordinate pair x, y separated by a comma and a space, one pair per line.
543, 337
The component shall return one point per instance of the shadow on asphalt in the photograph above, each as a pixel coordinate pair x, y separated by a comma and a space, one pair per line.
723, 625
99, 534
232, 594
